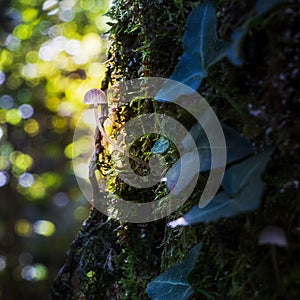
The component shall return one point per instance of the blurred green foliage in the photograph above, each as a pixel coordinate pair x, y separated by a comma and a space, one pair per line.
50, 55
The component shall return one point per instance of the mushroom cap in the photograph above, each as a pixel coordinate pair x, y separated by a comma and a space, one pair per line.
273, 235
95, 96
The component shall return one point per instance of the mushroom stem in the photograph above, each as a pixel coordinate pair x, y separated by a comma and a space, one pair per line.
280, 287
106, 137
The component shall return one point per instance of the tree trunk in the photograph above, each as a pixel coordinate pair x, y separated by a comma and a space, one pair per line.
113, 260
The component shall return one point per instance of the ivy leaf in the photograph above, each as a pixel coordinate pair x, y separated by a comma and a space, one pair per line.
185, 165
173, 284
237, 148
160, 146
202, 48
222, 206
262, 6
234, 52
243, 190
239, 176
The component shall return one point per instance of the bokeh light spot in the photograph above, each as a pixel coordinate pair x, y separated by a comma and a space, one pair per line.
49, 4
24, 95
1, 133
91, 44
53, 12
25, 258
2, 262
4, 163
23, 31
12, 42
81, 212
101, 23
59, 124
30, 71
6, 102
61, 61
13, 116
44, 26
32, 57
69, 151
87, 5
23, 228
65, 109
29, 2
6, 150
26, 111
26, 180
4, 178
41, 272
72, 46
55, 31
23, 162
28, 273
96, 70
68, 30
52, 103
37, 191
29, 15
43, 227
51, 179
6, 57
2, 116
13, 82
67, 15
34, 273
2, 77
61, 199
31, 127
47, 53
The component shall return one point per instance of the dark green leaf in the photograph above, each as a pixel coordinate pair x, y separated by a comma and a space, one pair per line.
241, 175
262, 6
160, 146
234, 52
173, 284
224, 207
184, 165
202, 48
237, 146
243, 190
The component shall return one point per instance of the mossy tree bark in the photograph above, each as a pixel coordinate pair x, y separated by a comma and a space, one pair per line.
109, 260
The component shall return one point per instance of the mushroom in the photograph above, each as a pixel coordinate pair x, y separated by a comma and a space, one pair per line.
96, 97
274, 236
